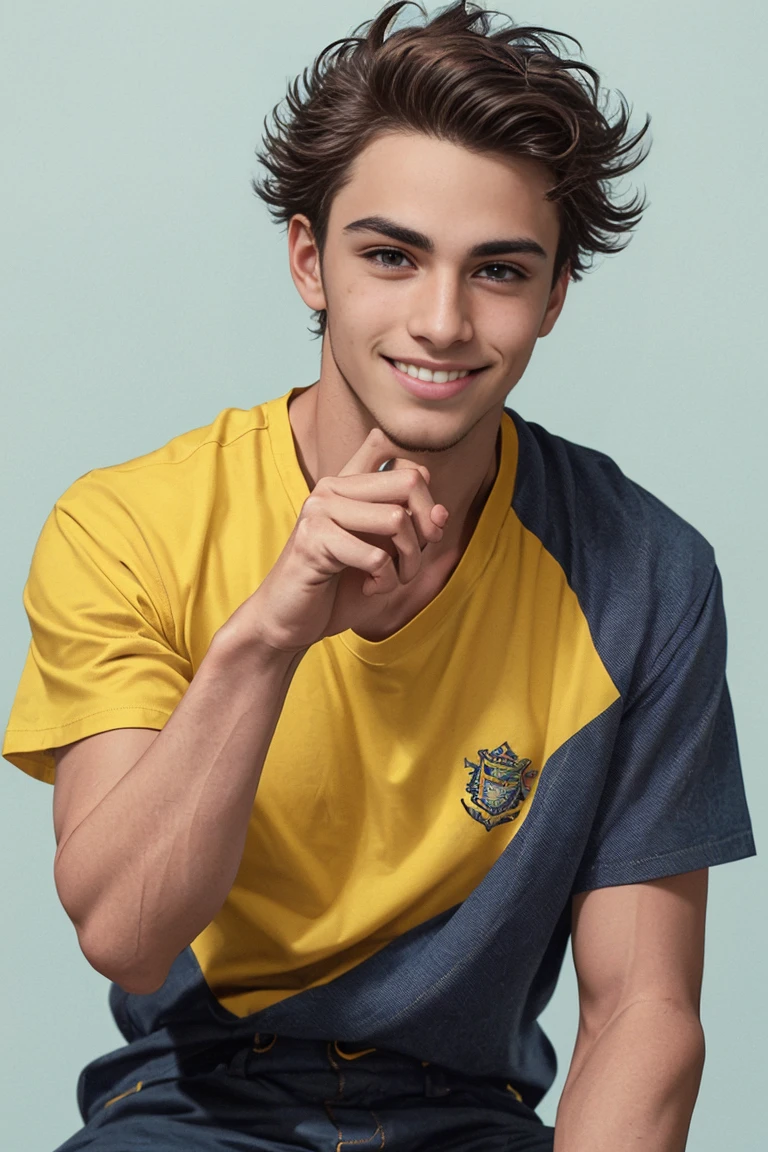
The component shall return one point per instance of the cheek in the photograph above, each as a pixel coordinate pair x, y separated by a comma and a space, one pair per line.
514, 325
359, 316
364, 306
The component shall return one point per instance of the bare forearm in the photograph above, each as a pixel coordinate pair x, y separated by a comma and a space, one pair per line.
634, 1088
152, 864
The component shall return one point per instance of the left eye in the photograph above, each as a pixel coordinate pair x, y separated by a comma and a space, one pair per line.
515, 274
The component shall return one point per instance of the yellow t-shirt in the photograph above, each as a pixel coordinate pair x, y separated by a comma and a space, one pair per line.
399, 770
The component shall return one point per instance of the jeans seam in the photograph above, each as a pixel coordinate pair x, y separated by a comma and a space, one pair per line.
338, 1071
328, 1105
379, 1130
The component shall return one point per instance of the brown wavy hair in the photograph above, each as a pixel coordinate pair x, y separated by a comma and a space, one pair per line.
511, 91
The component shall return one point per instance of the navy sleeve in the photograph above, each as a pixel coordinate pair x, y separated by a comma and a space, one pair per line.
674, 800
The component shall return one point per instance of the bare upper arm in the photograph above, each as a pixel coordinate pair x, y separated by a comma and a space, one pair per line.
90, 768
639, 942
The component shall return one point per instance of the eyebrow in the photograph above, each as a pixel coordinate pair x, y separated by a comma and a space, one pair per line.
414, 239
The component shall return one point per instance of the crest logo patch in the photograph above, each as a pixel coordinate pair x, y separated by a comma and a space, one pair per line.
498, 785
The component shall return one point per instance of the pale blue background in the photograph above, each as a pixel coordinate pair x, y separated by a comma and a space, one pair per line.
145, 288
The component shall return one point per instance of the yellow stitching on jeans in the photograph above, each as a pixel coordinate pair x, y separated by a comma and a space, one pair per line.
514, 1092
352, 1055
266, 1047
327, 1104
338, 1072
364, 1139
136, 1088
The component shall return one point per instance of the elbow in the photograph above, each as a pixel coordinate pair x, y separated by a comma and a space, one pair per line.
135, 975
139, 983
118, 959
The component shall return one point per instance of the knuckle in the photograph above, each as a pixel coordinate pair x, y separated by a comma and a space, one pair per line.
398, 519
312, 507
322, 487
380, 559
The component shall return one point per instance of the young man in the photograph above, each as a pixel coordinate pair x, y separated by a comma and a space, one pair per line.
359, 703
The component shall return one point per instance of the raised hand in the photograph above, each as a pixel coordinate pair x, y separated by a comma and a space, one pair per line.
359, 535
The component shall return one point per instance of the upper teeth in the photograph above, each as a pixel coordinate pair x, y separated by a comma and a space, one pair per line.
428, 374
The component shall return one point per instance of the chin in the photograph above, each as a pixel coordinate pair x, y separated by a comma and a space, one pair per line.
409, 437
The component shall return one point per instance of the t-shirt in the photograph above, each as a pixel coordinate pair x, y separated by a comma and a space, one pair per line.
556, 719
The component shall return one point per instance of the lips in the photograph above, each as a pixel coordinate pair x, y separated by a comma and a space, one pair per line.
427, 389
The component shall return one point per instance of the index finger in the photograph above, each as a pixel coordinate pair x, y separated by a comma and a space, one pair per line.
376, 450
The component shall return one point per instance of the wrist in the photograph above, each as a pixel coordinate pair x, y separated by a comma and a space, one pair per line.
234, 643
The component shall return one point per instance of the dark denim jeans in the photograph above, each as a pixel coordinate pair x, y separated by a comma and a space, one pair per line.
275, 1094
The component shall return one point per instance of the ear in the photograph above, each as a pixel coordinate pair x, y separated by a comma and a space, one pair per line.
556, 301
304, 262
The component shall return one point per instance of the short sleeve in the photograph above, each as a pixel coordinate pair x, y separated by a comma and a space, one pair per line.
674, 798
101, 654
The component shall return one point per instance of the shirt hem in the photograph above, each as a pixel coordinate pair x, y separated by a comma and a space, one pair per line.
738, 846
31, 749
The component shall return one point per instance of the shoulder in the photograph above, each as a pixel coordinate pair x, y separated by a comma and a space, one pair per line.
637, 567
175, 472
149, 519
582, 497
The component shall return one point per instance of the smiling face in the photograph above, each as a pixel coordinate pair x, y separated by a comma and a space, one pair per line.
435, 258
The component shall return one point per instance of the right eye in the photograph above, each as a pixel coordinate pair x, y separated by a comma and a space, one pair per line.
376, 257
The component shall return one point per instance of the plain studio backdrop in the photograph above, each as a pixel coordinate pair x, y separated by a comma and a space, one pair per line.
145, 288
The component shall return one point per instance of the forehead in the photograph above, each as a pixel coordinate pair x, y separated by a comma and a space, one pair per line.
457, 196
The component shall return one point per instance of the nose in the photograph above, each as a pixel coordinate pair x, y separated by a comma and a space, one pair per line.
438, 311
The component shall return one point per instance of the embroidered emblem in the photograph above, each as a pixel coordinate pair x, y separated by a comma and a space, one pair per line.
498, 785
